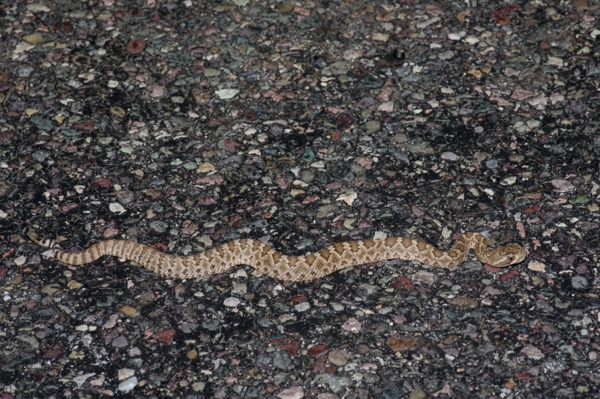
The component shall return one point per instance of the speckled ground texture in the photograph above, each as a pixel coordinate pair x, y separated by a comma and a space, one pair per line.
186, 124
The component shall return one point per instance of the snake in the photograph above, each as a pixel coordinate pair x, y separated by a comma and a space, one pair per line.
293, 268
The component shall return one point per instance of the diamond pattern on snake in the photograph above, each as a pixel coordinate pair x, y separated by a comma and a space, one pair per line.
303, 268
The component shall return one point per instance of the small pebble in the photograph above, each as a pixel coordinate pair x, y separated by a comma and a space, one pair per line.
336, 384
532, 352
120, 342
42, 123
192, 354
225, 94
508, 181
24, 72
456, 36
20, 260
367, 290
159, 226
232, 302
308, 155
348, 197
450, 156
136, 46
239, 288
352, 325
392, 391
579, 282
400, 343
302, 307
74, 285
81, 379
32, 341
282, 360
472, 40
372, 126
492, 164
423, 276
562, 185
125, 373
292, 393
117, 208
129, 311
35, 38
128, 384
211, 72
446, 55
536, 266
338, 357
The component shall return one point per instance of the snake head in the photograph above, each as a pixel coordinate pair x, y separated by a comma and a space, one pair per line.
507, 255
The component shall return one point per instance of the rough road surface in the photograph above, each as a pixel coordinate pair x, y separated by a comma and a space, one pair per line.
186, 124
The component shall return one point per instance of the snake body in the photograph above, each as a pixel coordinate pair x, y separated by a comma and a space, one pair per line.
302, 268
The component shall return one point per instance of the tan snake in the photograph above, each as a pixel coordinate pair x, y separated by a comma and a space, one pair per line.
302, 268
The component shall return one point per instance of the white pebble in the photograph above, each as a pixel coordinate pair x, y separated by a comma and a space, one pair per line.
555, 61
20, 261
302, 306
536, 266
446, 55
239, 288
128, 384
472, 40
36, 7
556, 98
115, 207
296, 392
450, 156
532, 352
352, 325
509, 181
379, 235
232, 302
424, 277
562, 185
81, 379
348, 197
456, 35
226, 93
125, 373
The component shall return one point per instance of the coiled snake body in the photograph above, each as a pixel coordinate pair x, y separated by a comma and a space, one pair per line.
295, 268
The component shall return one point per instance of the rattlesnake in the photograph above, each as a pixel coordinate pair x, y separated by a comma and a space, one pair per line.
302, 268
